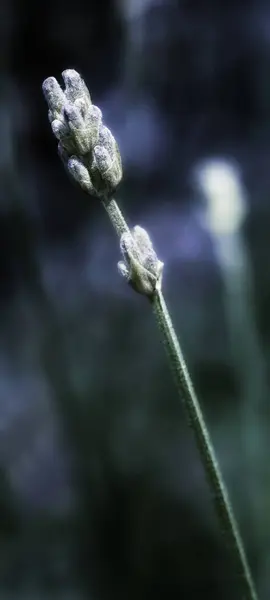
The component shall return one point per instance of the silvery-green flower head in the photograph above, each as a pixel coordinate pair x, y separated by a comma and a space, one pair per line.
87, 148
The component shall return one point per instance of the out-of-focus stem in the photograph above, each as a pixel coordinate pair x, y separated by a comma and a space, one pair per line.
248, 358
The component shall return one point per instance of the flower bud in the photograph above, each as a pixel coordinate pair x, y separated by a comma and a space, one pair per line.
140, 267
77, 125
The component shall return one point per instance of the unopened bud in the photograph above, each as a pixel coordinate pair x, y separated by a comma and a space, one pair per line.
140, 265
77, 125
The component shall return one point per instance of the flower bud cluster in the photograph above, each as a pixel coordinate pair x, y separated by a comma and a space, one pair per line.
87, 148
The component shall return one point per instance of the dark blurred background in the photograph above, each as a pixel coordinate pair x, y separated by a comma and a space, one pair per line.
102, 494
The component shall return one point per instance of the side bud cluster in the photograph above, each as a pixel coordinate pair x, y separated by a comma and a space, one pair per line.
87, 148
140, 266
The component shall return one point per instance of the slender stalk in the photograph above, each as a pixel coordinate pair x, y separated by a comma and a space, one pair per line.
208, 457
196, 421
116, 217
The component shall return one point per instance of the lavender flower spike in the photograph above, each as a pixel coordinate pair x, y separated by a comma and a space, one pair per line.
86, 147
91, 156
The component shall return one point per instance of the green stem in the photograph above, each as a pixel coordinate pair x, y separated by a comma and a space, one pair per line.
196, 421
116, 217
209, 460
